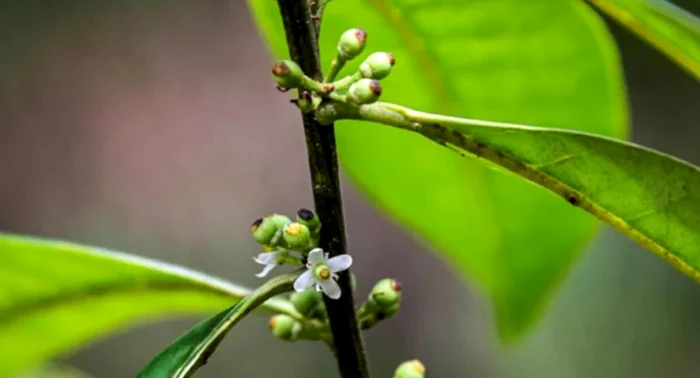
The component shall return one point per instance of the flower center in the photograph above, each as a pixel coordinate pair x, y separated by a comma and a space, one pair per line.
293, 229
321, 272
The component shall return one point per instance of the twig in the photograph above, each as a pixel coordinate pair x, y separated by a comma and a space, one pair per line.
317, 8
323, 164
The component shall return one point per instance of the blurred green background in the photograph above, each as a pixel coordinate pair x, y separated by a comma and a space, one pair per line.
152, 127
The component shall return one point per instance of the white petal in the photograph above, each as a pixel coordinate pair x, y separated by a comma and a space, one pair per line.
267, 258
316, 257
305, 280
339, 263
331, 288
265, 270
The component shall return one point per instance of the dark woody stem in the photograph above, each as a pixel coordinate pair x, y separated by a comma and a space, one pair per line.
323, 164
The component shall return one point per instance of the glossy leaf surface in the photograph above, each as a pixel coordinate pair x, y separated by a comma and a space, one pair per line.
546, 62
649, 196
56, 296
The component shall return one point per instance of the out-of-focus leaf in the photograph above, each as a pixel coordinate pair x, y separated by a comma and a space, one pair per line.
545, 62
668, 28
189, 352
55, 296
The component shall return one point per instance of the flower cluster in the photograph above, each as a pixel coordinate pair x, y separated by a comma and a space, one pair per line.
360, 88
295, 243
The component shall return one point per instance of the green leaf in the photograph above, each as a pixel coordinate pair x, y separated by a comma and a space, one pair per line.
670, 29
189, 352
649, 196
55, 296
547, 62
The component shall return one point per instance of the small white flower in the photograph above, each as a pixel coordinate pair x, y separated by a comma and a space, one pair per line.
321, 272
270, 260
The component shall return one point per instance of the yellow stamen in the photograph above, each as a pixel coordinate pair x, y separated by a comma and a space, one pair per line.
293, 229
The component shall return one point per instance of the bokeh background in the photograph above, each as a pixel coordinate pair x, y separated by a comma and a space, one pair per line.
152, 127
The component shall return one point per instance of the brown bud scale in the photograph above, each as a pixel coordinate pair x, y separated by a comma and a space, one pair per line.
375, 87
396, 285
305, 214
281, 69
361, 35
256, 224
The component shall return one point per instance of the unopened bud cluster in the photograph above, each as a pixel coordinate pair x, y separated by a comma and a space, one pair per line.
285, 241
309, 303
376, 66
360, 88
364, 86
382, 303
294, 328
279, 231
314, 323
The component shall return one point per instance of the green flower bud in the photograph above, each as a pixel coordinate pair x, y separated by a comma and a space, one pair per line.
296, 235
268, 230
377, 65
263, 230
304, 102
364, 91
284, 327
287, 74
410, 369
351, 43
384, 313
309, 219
280, 220
306, 301
386, 293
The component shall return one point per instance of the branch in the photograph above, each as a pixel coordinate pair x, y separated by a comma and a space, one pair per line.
323, 164
317, 13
